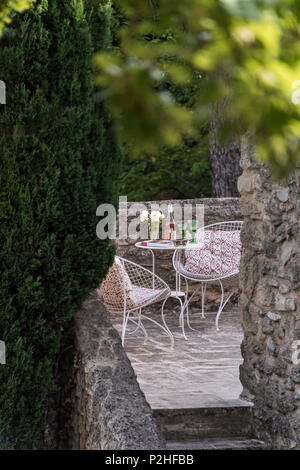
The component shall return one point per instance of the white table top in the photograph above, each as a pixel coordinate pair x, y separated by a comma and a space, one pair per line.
168, 245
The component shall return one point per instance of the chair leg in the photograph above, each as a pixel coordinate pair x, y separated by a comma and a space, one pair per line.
181, 320
145, 332
203, 288
163, 316
166, 330
125, 321
186, 307
188, 317
140, 325
222, 305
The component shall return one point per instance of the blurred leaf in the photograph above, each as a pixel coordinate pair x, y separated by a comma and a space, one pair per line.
249, 52
8, 7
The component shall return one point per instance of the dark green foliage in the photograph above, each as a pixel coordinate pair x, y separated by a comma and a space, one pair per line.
59, 161
180, 172
249, 51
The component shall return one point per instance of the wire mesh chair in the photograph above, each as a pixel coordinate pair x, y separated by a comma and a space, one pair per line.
224, 278
133, 288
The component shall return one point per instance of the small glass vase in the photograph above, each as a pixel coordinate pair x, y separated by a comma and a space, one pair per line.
182, 232
193, 226
154, 230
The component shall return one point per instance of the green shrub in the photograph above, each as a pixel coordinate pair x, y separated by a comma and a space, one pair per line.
59, 160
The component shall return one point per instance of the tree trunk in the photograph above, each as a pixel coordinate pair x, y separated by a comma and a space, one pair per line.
224, 157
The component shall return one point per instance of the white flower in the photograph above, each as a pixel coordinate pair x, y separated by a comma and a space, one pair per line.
155, 216
144, 216
170, 208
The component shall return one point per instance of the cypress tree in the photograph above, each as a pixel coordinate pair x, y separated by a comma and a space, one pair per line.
59, 159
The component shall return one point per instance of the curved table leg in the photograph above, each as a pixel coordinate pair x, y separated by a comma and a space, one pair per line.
153, 266
222, 305
181, 320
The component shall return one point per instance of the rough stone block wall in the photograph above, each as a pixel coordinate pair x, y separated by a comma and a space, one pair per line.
270, 301
110, 411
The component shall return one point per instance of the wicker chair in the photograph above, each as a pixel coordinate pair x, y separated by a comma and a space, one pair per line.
224, 278
128, 288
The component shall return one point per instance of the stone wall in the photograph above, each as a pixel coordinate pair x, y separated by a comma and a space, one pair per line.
109, 409
270, 302
215, 210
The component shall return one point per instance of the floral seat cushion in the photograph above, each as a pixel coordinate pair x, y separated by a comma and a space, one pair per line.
143, 295
220, 254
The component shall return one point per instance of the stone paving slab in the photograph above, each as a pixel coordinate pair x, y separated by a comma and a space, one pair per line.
200, 372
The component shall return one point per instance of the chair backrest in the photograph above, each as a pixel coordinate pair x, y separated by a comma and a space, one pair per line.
142, 277
230, 226
219, 254
128, 285
116, 289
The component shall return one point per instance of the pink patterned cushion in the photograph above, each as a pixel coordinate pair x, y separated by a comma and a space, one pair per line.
112, 288
144, 294
220, 254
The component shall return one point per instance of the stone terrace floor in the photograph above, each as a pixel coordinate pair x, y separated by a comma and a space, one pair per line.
200, 372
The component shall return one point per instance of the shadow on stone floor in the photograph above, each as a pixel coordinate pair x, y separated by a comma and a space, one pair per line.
200, 372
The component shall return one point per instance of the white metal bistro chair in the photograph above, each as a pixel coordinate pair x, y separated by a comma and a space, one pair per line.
217, 262
128, 288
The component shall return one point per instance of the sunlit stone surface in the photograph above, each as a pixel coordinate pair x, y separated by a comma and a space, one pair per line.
200, 372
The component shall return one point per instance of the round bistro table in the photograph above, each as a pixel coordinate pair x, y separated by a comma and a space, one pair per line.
166, 245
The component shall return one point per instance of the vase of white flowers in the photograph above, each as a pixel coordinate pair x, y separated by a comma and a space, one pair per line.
154, 218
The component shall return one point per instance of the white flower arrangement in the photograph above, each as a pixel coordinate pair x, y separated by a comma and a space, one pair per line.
144, 216
154, 216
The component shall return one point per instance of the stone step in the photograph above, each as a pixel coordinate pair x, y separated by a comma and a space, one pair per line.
218, 444
191, 424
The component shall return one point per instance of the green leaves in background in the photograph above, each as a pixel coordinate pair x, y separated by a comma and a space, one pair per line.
181, 172
249, 51
7, 7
